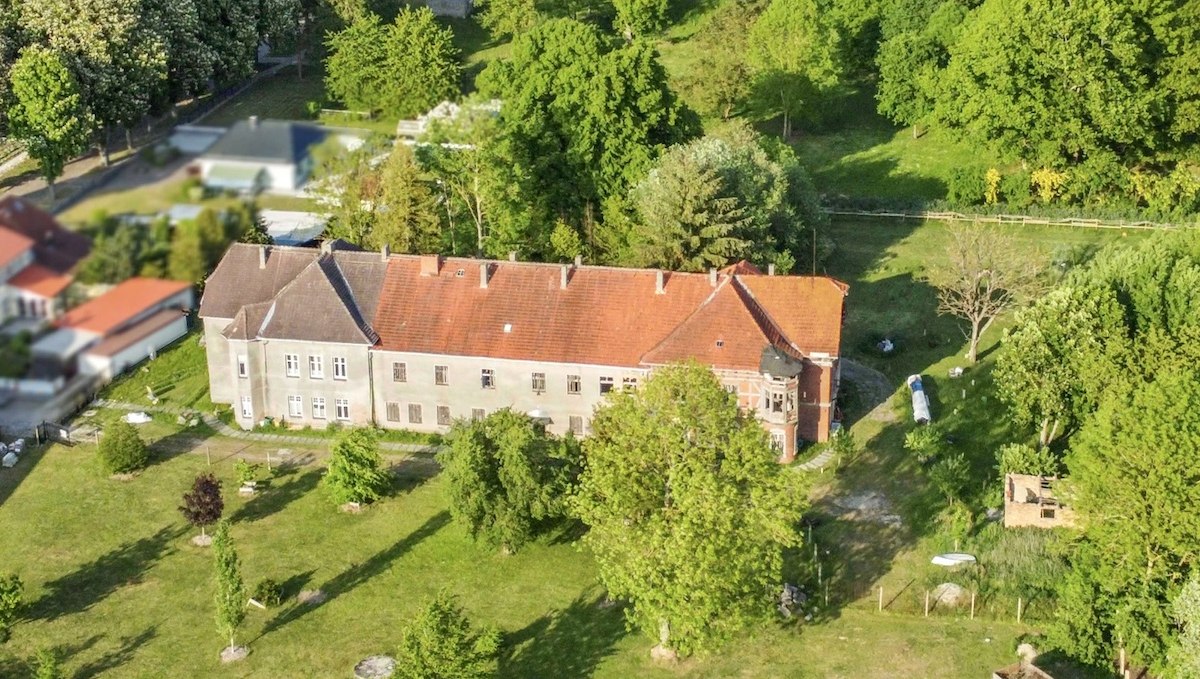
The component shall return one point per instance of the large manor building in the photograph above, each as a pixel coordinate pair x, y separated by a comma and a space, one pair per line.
310, 337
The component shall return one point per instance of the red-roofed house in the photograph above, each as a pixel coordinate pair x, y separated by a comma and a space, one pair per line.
120, 328
311, 337
37, 261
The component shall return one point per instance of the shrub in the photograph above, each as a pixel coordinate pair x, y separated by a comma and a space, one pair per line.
268, 593
47, 665
11, 601
246, 471
354, 473
925, 442
122, 449
966, 185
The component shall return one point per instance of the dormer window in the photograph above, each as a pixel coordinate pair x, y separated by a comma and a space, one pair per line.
720, 343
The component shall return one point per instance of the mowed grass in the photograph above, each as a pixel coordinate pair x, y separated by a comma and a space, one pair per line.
115, 586
178, 377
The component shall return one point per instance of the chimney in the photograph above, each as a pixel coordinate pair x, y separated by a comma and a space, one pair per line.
563, 279
385, 252
262, 256
253, 120
712, 277
431, 265
483, 275
578, 261
658, 282
770, 269
512, 255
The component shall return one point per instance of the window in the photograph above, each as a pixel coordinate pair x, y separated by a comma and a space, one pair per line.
247, 409
606, 385
441, 375
295, 406
339, 367
318, 408
316, 367
341, 409
1047, 512
574, 384
731, 388
478, 413
443, 414
414, 413
292, 364
776, 401
539, 382
399, 372
393, 410
629, 383
487, 378
777, 440
575, 424
243, 368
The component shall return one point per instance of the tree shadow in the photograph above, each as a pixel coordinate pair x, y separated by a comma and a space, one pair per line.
357, 574
177, 443
277, 496
92, 582
565, 643
410, 473
117, 657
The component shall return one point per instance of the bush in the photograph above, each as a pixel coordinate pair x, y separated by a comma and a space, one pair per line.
268, 593
355, 471
47, 665
122, 449
246, 472
11, 601
966, 185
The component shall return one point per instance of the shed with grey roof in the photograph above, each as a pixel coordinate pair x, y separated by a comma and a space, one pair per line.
262, 155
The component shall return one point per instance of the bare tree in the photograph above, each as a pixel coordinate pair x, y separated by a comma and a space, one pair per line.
986, 275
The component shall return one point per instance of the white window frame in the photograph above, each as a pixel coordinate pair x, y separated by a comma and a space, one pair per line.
399, 371
417, 410
478, 414
243, 366
295, 406
341, 409
316, 367
537, 382
318, 407
443, 416
487, 378
441, 375
574, 384
247, 408
390, 408
575, 424
291, 365
607, 384
339, 367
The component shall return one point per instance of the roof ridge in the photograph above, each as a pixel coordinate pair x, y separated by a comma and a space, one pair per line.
770, 329
345, 292
702, 306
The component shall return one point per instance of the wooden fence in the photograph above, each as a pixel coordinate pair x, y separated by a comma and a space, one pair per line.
1023, 220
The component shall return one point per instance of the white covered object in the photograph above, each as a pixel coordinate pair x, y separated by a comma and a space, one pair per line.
920, 401
952, 559
136, 418
9, 459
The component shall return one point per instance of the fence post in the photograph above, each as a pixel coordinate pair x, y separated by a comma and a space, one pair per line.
972, 605
881, 598
1019, 602
926, 603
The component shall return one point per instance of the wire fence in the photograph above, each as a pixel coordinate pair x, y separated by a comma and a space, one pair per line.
1023, 220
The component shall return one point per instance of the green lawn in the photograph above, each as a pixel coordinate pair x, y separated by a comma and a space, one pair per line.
178, 376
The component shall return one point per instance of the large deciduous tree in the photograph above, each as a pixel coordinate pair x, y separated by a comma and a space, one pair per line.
48, 113
688, 511
722, 80
640, 17
794, 51
507, 477
985, 276
230, 31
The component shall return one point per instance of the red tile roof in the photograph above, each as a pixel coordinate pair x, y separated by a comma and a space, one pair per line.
55, 247
12, 245
604, 316
120, 305
41, 281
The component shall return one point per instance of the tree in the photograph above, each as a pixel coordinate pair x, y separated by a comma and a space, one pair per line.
1049, 357
640, 17
115, 256
401, 70
440, 643
189, 60
722, 79
214, 237
247, 226
347, 184
503, 18
354, 473
911, 59
1184, 658
1018, 458
949, 475
121, 449
48, 113
986, 275
1137, 495
186, 261
230, 590
202, 505
12, 601
793, 51
506, 477
407, 218
688, 511
12, 40
230, 31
